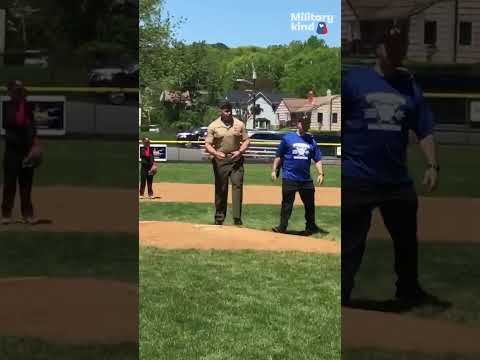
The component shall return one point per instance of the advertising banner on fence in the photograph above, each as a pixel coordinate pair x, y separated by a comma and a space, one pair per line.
159, 152
475, 111
49, 113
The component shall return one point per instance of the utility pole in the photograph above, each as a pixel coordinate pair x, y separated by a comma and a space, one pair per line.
3, 30
254, 78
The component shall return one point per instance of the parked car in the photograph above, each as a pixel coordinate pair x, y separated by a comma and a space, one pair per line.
154, 128
36, 58
197, 134
201, 133
266, 136
116, 77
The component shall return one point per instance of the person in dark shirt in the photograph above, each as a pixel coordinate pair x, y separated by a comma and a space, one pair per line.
22, 153
295, 153
380, 107
148, 168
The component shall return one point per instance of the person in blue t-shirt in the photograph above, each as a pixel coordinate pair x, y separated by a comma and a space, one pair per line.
296, 151
380, 107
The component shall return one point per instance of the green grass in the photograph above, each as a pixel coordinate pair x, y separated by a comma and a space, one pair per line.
164, 134
261, 217
240, 305
391, 355
449, 271
110, 256
94, 163
255, 174
67, 255
458, 174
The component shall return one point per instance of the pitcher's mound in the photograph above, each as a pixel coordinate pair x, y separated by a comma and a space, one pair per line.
73, 311
175, 235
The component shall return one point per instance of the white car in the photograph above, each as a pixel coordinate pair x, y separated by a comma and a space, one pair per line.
35, 58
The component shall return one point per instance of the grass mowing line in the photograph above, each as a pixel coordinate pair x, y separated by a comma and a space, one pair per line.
242, 305
255, 174
260, 217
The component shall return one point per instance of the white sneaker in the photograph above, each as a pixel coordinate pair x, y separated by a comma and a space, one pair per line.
29, 220
6, 220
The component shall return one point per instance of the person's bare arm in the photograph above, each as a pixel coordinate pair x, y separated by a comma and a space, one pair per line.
320, 175
276, 163
429, 149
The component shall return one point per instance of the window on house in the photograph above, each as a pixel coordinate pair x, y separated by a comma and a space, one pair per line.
430, 34
465, 33
320, 118
334, 118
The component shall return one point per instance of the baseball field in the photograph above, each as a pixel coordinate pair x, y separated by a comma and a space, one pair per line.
210, 292
448, 254
64, 283
241, 293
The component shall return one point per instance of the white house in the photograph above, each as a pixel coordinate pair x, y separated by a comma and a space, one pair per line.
442, 31
266, 102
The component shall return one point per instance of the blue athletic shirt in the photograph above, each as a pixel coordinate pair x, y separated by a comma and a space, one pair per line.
377, 115
297, 153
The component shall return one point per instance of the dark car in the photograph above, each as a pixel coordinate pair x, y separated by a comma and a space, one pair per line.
115, 77
197, 134
266, 136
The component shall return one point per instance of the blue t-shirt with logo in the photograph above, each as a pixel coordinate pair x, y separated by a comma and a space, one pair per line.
297, 152
377, 116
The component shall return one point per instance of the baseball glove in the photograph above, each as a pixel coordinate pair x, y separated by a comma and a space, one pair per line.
153, 170
34, 158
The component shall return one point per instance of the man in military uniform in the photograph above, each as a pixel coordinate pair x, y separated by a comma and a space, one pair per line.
226, 142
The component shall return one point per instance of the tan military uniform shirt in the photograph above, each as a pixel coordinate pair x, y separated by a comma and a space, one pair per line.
226, 138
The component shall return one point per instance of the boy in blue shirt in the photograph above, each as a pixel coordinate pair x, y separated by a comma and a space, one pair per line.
295, 152
380, 106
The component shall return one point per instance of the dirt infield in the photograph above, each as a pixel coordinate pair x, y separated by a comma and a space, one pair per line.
81, 209
252, 194
440, 220
173, 235
73, 311
406, 333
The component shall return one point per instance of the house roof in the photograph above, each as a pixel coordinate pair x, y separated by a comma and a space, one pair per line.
271, 97
243, 97
296, 105
237, 96
387, 9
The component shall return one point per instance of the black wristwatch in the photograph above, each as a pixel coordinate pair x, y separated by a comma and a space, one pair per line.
432, 166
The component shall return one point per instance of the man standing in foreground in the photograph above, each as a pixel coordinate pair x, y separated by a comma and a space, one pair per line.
295, 152
380, 106
226, 141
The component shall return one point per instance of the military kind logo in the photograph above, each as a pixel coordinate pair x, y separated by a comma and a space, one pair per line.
306, 21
